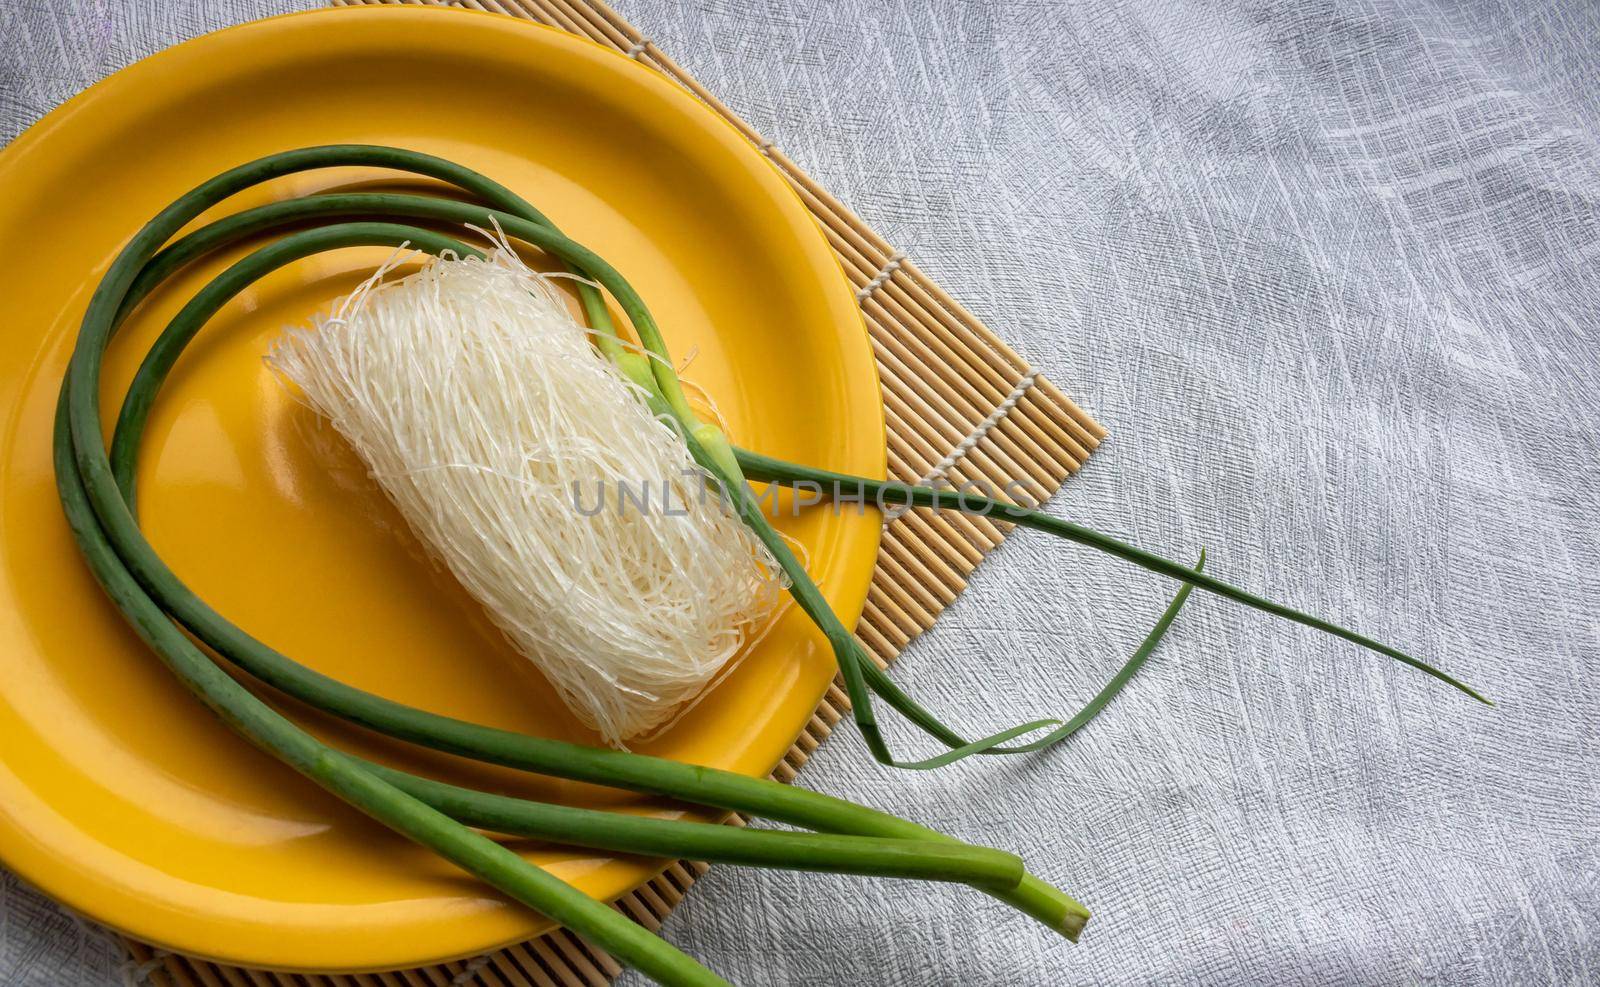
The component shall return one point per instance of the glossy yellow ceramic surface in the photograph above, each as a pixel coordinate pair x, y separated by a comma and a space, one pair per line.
119, 794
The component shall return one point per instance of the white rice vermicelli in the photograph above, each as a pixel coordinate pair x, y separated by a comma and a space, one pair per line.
504, 439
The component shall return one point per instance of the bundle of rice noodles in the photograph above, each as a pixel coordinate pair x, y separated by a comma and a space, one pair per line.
537, 474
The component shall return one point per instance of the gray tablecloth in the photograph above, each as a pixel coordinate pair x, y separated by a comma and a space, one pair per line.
1327, 272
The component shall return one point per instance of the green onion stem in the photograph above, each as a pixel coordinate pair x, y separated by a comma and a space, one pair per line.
1130, 668
766, 469
97, 492
148, 592
919, 859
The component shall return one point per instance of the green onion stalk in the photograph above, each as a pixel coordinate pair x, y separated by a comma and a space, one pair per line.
730, 467
98, 493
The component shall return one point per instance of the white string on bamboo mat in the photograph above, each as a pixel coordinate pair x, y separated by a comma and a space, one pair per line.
882, 278
966, 445
471, 970
137, 974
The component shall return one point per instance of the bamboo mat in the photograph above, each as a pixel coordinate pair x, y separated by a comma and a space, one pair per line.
961, 405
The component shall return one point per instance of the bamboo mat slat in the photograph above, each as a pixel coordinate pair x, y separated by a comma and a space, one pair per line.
961, 405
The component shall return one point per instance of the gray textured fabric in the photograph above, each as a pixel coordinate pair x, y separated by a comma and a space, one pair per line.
1327, 273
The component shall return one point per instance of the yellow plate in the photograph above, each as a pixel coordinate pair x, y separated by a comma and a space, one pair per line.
119, 794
